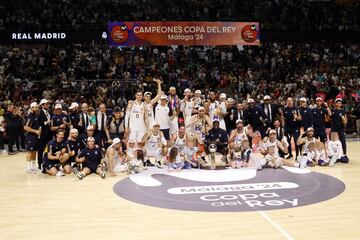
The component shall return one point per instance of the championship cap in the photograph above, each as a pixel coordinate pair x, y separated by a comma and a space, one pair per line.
43, 101
250, 100
33, 104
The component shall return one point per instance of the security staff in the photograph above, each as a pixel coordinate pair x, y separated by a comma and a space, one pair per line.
291, 119
338, 123
319, 114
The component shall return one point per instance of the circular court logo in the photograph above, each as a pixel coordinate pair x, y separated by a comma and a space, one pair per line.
229, 190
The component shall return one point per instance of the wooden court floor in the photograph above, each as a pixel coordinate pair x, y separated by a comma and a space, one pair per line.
36, 206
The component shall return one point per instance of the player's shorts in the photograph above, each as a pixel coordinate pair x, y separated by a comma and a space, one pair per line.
153, 153
49, 164
174, 125
91, 166
136, 136
32, 143
166, 133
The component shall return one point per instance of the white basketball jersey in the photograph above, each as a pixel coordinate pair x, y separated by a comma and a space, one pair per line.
241, 135
180, 142
153, 142
136, 121
306, 144
150, 112
268, 144
212, 109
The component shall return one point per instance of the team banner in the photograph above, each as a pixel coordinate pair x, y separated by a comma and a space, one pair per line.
183, 33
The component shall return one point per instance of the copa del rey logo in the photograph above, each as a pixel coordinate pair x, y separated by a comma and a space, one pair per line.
230, 190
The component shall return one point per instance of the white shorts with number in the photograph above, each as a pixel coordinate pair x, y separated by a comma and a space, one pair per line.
136, 136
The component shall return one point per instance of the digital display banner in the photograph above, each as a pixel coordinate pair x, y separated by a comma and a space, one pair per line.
183, 33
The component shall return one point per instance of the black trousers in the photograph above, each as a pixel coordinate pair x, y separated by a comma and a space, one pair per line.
292, 132
11, 133
1, 140
20, 138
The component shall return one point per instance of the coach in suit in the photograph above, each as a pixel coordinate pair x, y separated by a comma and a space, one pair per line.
230, 114
84, 119
271, 110
103, 116
240, 113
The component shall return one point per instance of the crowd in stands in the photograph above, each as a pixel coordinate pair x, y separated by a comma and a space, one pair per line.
282, 15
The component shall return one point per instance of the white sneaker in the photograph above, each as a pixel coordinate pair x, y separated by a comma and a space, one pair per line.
332, 162
303, 162
60, 174
35, 170
30, 170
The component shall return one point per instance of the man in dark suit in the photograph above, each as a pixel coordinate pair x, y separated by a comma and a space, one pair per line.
240, 113
230, 114
102, 118
84, 120
271, 110
45, 123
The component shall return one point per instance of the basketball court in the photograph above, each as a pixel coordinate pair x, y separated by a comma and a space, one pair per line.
325, 206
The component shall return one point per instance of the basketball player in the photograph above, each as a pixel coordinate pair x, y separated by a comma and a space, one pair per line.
306, 139
270, 150
155, 144
136, 122
149, 103
174, 105
211, 107
187, 106
57, 156
91, 158
200, 124
33, 132
238, 135
115, 158
184, 142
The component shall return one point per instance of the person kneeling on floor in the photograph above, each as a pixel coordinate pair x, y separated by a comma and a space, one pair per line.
56, 159
91, 158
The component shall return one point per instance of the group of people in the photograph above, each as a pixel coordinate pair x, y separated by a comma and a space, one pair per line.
179, 132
